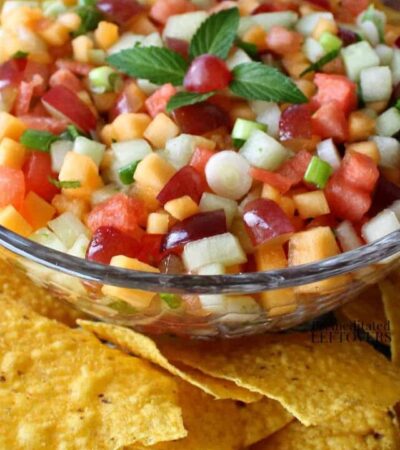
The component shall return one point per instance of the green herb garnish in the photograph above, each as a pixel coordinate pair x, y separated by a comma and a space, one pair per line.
127, 173
38, 140
173, 301
187, 98
318, 65
64, 184
90, 17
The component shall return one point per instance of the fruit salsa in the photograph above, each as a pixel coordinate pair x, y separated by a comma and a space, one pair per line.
201, 137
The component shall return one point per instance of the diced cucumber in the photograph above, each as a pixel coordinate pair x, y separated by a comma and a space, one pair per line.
184, 26
395, 66
329, 153
370, 32
224, 249
243, 129
233, 308
68, 228
376, 84
126, 41
357, 57
130, 151
80, 247
212, 269
388, 123
347, 236
263, 151
104, 194
47, 238
389, 151
212, 202
179, 150
237, 58
330, 42
70, 284
380, 226
313, 50
385, 54
285, 19
58, 150
92, 149
307, 23
377, 18
269, 114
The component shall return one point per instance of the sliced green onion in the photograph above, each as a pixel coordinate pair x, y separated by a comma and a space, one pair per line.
250, 49
321, 62
243, 129
330, 42
238, 143
318, 172
104, 79
173, 301
20, 55
38, 140
127, 173
65, 184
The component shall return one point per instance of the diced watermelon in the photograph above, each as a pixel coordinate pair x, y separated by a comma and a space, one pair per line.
280, 40
352, 8
76, 67
37, 170
12, 187
42, 123
163, 9
66, 78
38, 73
336, 88
200, 159
24, 98
276, 180
295, 168
330, 122
359, 171
157, 102
121, 212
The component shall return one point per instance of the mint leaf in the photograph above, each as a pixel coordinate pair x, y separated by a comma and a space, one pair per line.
216, 35
256, 81
90, 18
187, 98
156, 64
64, 184
318, 65
250, 49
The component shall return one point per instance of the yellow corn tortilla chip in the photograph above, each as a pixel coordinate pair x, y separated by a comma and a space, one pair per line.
314, 382
391, 301
144, 347
61, 388
370, 429
17, 286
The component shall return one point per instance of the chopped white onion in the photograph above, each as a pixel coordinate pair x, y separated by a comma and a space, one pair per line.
328, 152
347, 236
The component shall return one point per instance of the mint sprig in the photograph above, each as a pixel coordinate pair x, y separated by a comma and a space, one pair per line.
156, 64
318, 65
256, 81
216, 35
186, 99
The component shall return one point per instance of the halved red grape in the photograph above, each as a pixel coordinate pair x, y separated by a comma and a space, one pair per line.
276, 6
194, 228
186, 181
119, 11
201, 118
207, 73
178, 45
295, 123
151, 249
348, 37
265, 220
171, 265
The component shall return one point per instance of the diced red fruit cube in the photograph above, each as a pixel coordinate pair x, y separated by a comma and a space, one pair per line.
276, 180
352, 8
187, 181
66, 78
162, 10
330, 122
276, 6
280, 40
76, 67
24, 98
328, 220
37, 169
151, 249
359, 171
12, 187
385, 194
158, 101
207, 73
194, 228
323, 4
295, 123
43, 123
119, 11
124, 213
127, 101
11, 72
295, 168
265, 220
200, 118
335, 88
200, 159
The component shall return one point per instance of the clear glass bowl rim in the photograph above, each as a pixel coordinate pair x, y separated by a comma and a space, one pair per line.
246, 283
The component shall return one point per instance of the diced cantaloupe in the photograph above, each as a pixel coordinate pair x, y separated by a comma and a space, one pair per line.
135, 297
130, 126
82, 168
147, 195
324, 25
311, 204
81, 47
11, 126
257, 36
70, 20
154, 172
361, 126
104, 102
311, 246
157, 223
55, 34
368, 148
160, 130
308, 88
77, 206
37, 211
246, 7
288, 206
24, 16
106, 134
12, 153
182, 208
141, 24
270, 193
106, 34
271, 257
11, 219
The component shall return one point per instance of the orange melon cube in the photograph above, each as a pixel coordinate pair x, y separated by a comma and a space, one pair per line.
288, 206
76, 206
368, 148
12, 153
11, 219
270, 193
160, 130
142, 25
324, 25
11, 126
182, 208
37, 211
154, 172
55, 34
257, 36
70, 20
311, 204
80, 168
106, 34
157, 223
130, 126
81, 47
147, 195
361, 126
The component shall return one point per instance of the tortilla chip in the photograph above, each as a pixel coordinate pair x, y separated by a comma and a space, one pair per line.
370, 429
391, 301
144, 347
61, 388
17, 286
314, 382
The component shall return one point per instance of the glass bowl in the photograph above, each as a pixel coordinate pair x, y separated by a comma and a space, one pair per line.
289, 297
